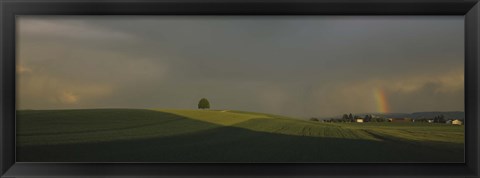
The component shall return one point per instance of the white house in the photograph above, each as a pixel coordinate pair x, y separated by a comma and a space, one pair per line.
457, 122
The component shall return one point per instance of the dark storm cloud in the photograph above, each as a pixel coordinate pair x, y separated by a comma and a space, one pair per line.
298, 66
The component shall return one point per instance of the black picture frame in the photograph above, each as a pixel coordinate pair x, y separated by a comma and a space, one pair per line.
9, 9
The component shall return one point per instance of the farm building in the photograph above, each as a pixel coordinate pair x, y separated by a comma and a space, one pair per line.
457, 122
448, 122
399, 120
360, 120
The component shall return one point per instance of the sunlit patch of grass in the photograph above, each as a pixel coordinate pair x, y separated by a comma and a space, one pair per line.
214, 116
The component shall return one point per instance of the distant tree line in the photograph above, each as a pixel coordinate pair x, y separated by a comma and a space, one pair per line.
369, 118
436, 119
353, 118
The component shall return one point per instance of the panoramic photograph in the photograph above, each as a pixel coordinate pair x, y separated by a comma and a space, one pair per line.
240, 89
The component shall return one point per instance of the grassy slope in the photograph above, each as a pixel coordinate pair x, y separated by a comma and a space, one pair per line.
211, 136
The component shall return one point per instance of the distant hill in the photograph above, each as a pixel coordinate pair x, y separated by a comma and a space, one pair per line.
448, 115
419, 115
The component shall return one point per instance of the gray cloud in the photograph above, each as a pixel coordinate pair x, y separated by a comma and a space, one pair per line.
299, 66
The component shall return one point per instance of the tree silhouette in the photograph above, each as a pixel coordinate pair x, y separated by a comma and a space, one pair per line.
203, 104
367, 118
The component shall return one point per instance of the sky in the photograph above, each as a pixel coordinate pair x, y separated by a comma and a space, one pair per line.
300, 66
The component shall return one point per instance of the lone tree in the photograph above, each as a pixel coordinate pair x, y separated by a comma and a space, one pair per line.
203, 104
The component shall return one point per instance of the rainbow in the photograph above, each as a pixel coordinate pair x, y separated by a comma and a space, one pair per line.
382, 102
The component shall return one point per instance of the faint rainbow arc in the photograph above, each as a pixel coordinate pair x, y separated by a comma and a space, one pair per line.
382, 102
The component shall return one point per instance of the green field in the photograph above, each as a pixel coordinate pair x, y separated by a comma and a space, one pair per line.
140, 135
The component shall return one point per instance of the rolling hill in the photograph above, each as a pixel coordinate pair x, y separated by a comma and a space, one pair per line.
166, 135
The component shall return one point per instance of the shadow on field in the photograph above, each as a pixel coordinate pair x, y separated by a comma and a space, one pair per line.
95, 125
232, 144
74, 121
